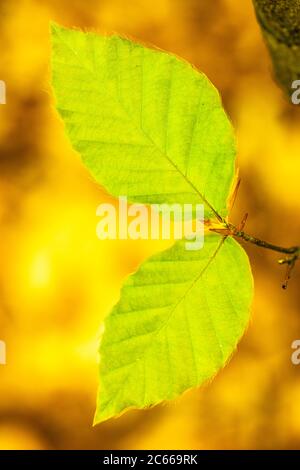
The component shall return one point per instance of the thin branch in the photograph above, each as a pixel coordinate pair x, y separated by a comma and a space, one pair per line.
263, 244
292, 253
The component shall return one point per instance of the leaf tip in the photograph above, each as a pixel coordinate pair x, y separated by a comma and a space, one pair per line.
100, 416
96, 420
55, 28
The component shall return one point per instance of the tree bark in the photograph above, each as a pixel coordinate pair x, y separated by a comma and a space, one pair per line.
280, 23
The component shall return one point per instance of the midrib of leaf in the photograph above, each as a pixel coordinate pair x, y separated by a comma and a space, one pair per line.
165, 323
140, 129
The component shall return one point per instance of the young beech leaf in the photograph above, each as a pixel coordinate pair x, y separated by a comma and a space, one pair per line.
150, 127
179, 319
146, 124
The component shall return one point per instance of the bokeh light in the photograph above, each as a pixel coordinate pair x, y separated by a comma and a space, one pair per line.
58, 281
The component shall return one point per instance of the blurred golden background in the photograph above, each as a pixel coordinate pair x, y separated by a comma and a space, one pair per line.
58, 281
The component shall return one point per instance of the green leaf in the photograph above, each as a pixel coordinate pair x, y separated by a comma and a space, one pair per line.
151, 127
178, 321
146, 124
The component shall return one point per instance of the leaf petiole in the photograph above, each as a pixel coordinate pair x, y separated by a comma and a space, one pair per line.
293, 253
